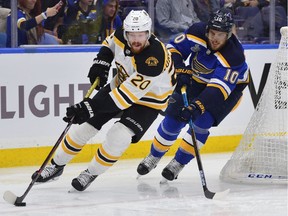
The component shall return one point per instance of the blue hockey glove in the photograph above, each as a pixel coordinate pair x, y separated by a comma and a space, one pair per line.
100, 69
81, 112
194, 110
184, 77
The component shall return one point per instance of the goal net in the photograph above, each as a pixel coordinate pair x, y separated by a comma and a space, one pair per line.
261, 156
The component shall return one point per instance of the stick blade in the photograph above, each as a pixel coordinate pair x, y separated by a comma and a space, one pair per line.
10, 197
13, 199
216, 196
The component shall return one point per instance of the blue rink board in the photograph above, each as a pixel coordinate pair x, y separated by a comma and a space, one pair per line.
95, 48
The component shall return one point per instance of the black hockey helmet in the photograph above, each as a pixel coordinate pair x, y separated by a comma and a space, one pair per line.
221, 20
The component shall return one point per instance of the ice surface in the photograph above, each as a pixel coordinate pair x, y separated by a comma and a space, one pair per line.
117, 192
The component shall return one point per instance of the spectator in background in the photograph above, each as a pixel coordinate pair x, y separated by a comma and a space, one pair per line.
82, 22
174, 17
110, 20
204, 8
5, 3
255, 3
51, 23
29, 22
233, 4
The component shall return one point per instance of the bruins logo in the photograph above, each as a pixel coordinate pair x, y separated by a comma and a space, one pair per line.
152, 61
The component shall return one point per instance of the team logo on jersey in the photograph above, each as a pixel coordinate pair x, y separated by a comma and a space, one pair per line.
152, 61
196, 48
199, 68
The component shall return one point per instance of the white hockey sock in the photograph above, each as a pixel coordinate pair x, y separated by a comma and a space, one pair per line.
73, 142
117, 141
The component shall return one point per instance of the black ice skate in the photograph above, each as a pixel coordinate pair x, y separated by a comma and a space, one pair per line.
172, 170
50, 172
83, 180
147, 164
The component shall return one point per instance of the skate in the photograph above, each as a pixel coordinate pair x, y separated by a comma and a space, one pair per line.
171, 171
50, 173
147, 164
83, 180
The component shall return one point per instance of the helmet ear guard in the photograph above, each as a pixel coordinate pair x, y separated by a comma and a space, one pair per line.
137, 21
221, 20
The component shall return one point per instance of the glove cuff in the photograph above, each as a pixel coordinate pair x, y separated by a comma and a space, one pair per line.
102, 63
89, 108
198, 105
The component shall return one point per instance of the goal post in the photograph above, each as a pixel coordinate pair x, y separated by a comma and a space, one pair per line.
261, 156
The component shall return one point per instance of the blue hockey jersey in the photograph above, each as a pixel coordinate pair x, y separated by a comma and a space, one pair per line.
221, 71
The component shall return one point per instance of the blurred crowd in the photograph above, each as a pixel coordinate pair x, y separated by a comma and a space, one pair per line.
90, 21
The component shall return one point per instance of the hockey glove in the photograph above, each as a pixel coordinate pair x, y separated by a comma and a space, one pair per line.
100, 68
194, 110
184, 77
81, 112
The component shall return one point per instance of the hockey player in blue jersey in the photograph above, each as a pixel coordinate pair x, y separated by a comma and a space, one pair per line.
215, 78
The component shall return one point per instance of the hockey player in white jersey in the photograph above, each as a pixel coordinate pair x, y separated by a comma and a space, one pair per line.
139, 91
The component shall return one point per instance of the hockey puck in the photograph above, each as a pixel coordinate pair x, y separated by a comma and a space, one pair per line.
20, 204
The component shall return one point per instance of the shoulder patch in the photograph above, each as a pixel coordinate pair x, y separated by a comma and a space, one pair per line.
152, 61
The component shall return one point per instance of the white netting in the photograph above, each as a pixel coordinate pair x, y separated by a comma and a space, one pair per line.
261, 156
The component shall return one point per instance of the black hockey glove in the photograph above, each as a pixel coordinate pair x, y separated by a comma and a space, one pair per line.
184, 77
194, 110
81, 112
100, 68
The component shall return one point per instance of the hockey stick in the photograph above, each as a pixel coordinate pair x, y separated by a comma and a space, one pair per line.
18, 201
208, 194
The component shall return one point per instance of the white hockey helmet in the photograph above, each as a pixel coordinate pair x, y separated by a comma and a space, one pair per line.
137, 21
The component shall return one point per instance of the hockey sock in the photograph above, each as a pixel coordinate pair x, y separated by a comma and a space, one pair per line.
117, 140
166, 135
73, 142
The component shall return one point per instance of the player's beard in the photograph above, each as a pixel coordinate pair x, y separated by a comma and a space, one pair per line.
216, 46
137, 47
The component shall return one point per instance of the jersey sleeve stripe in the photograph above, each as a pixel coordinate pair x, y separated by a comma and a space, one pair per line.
196, 40
153, 105
246, 77
133, 63
197, 79
118, 99
173, 50
225, 94
160, 97
128, 93
221, 83
165, 56
19, 21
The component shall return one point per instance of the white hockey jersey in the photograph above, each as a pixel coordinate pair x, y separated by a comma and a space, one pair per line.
147, 78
